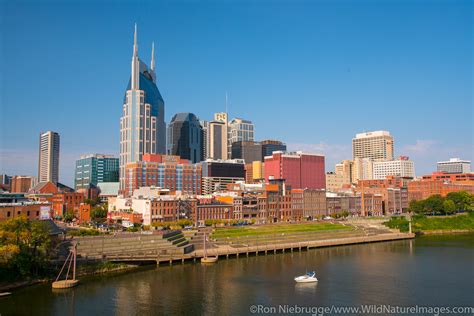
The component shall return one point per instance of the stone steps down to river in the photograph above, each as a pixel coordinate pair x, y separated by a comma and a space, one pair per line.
103, 247
198, 240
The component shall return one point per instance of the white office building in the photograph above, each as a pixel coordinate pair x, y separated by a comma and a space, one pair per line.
402, 167
377, 146
48, 160
239, 130
454, 165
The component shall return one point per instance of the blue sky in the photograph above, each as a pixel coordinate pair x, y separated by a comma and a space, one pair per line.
310, 73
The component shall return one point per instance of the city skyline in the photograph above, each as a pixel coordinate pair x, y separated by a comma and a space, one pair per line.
441, 90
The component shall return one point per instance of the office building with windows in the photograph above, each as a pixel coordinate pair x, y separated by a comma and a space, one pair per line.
377, 146
142, 125
454, 165
239, 130
94, 169
185, 137
48, 158
401, 167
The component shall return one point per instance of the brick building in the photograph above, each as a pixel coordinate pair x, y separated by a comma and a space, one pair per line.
30, 210
21, 184
214, 211
299, 170
164, 171
63, 203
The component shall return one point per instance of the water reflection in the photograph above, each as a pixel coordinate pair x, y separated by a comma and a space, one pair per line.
397, 273
306, 288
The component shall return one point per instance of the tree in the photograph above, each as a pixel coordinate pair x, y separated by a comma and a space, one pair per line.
433, 204
92, 202
69, 216
449, 207
417, 206
24, 248
462, 200
99, 213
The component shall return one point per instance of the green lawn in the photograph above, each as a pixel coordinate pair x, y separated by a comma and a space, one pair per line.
456, 222
465, 222
275, 229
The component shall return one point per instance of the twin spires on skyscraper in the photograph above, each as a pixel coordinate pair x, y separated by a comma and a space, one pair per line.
136, 63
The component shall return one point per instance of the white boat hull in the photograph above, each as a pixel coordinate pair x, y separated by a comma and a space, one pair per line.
208, 259
306, 279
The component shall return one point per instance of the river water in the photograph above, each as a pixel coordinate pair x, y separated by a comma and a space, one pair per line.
427, 271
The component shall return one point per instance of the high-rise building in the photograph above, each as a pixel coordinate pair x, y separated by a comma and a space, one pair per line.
217, 144
142, 125
454, 165
239, 130
401, 167
362, 169
48, 161
94, 169
376, 145
298, 169
185, 137
249, 151
215, 134
205, 138
269, 146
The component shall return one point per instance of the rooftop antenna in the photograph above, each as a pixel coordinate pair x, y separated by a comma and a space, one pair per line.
152, 64
226, 112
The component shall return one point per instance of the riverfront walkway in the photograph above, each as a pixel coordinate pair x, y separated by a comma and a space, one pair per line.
174, 247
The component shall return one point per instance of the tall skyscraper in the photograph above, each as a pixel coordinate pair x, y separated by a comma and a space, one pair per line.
215, 137
142, 125
205, 138
48, 160
239, 130
217, 140
94, 169
185, 136
376, 145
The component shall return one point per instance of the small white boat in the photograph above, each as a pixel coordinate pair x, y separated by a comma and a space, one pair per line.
307, 278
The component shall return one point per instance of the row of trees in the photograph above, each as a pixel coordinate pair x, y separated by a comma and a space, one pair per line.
25, 247
460, 201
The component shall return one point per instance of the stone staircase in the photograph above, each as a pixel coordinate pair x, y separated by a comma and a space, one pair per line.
197, 240
132, 246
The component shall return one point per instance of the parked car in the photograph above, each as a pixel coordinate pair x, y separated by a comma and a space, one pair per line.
127, 224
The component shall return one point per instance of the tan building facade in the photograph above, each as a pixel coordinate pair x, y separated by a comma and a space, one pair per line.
377, 145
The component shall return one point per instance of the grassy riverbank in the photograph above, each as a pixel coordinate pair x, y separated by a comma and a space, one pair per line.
88, 269
276, 229
420, 224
